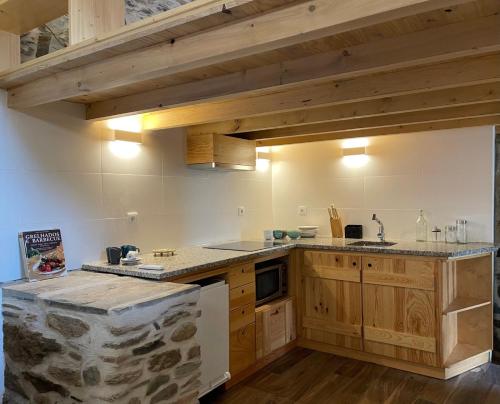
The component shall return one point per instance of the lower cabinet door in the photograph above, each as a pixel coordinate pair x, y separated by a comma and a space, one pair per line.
242, 348
274, 326
332, 312
400, 323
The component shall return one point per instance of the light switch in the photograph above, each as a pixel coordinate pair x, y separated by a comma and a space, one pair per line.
241, 211
302, 211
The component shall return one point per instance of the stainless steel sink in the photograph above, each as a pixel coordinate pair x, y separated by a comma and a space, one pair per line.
372, 243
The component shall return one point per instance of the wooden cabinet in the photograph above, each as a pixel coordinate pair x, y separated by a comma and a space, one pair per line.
242, 274
242, 295
424, 314
241, 317
242, 349
213, 149
399, 309
466, 308
331, 298
274, 326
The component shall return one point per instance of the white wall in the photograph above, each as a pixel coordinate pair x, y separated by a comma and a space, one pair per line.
447, 173
56, 171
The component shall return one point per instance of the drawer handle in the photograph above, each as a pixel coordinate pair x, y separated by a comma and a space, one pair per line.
242, 270
336, 260
275, 312
242, 311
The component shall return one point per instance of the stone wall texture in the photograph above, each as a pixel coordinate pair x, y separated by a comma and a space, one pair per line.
55, 34
141, 355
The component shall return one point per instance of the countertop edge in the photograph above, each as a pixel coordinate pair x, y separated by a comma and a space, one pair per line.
185, 271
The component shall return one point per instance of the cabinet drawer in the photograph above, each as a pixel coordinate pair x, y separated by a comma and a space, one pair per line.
242, 295
399, 272
241, 317
330, 265
241, 275
242, 348
377, 263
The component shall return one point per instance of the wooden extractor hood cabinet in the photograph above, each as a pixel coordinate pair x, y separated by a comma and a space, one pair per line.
221, 152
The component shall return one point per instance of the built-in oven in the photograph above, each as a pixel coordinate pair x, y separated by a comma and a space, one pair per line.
270, 282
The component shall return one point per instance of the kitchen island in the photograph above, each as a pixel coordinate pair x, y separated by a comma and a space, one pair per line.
422, 307
98, 338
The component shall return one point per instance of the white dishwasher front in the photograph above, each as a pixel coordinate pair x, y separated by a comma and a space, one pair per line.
213, 333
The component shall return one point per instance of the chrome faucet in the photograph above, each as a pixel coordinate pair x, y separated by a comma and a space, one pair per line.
381, 233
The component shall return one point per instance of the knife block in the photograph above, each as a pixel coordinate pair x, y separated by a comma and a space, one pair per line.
336, 226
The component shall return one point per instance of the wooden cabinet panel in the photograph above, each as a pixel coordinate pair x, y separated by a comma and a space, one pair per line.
208, 148
332, 311
242, 295
400, 323
330, 265
242, 348
241, 316
274, 326
241, 274
402, 272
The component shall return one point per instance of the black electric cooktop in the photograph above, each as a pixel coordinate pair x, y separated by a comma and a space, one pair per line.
246, 245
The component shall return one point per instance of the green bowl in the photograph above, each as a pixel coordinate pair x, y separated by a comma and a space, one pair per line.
293, 234
279, 234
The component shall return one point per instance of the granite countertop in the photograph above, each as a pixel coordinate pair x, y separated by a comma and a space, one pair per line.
194, 259
96, 293
429, 249
185, 261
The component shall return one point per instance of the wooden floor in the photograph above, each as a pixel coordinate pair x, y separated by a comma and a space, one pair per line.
305, 376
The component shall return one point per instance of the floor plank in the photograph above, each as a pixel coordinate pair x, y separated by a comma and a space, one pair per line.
303, 376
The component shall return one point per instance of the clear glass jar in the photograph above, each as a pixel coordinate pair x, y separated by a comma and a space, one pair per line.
450, 233
461, 231
421, 227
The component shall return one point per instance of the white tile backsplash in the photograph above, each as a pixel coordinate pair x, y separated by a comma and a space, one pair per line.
447, 173
58, 171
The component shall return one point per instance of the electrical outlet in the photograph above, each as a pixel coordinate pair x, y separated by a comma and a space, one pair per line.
132, 216
302, 210
241, 211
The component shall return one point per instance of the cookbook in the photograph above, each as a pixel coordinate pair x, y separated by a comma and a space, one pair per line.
42, 254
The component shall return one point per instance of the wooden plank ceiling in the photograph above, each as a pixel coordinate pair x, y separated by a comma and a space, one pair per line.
285, 71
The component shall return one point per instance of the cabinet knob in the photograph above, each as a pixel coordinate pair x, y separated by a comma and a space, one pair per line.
242, 270
354, 264
242, 291
369, 265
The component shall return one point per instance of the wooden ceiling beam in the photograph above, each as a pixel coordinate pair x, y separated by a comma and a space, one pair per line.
21, 16
389, 130
187, 19
354, 110
297, 24
457, 73
466, 38
442, 114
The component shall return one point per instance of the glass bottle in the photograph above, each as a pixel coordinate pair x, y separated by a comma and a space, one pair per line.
450, 233
461, 231
421, 227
